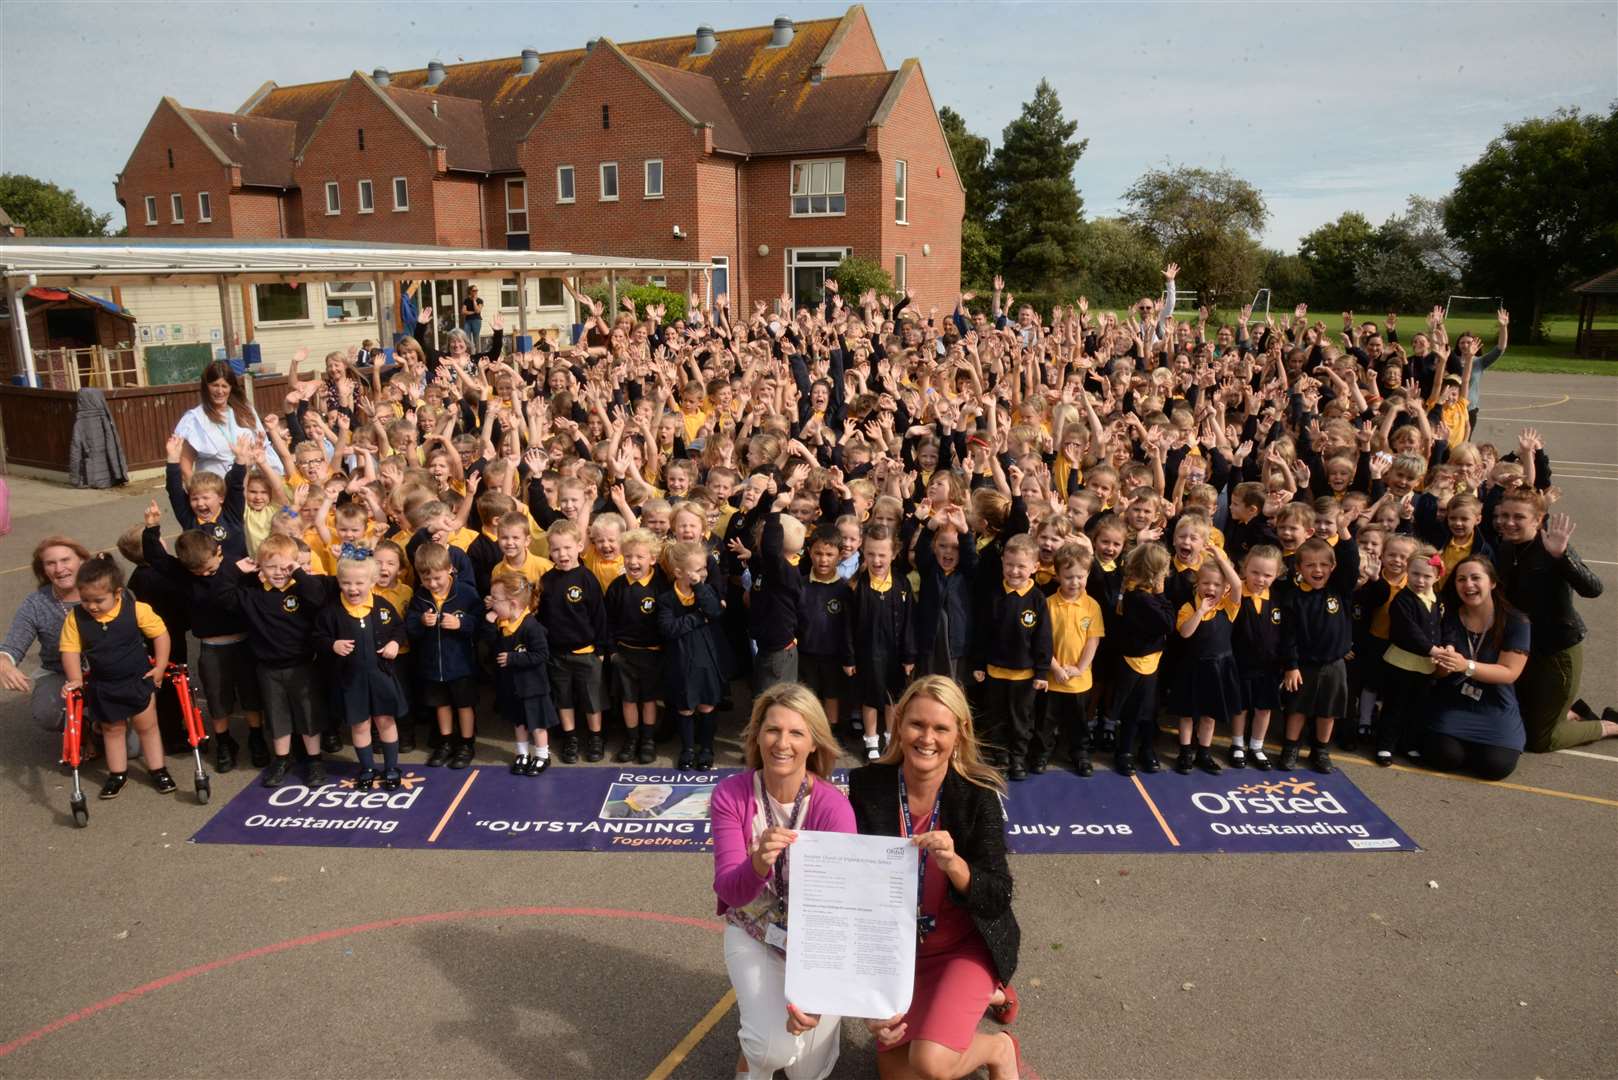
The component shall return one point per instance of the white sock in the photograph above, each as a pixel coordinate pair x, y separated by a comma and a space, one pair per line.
543, 752
1257, 747
1238, 742
873, 740
522, 749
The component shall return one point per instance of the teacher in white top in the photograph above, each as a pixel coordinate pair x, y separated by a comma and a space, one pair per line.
210, 430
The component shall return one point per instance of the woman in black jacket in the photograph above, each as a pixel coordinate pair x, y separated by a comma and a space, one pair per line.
933, 785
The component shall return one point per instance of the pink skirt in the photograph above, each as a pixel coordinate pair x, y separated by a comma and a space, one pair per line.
953, 989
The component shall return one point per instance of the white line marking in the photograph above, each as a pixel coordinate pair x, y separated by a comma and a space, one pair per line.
1579, 476
1534, 421
1585, 753
1600, 562
1599, 464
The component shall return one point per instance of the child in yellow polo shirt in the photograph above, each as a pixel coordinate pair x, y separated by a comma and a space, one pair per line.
1076, 633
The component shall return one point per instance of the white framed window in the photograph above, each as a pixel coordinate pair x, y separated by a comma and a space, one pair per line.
334, 199
278, 303
609, 181
654, 178
508, 294
516, 207
348, 300
177, 208
564, 183
901, 193
151, 209
817, 188
401, 194
719, 279
204, 206
660, 280
550, 292
901, 271
806, 272
367, 197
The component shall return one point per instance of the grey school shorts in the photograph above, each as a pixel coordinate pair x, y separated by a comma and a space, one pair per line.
576, 682
637, 674
290, 695
228, 681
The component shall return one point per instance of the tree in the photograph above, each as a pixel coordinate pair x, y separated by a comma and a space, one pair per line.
855, 275
980, 255
971, 153
47, 210
1208, 222
1334, 254
1288, 279
1038, 207
1119, 264
1539, 209
1413, 261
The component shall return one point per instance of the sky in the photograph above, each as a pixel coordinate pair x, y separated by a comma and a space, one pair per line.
1325, 107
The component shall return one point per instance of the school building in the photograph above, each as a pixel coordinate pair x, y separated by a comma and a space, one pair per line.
767, 153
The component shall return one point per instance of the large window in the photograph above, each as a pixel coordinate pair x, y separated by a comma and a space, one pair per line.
508, 294
281, 303
204, 206
806, 272
350, 300
334, 199
564, 183
550, 292
901, 271
177, 208
817, 187
367, 197
401, 193
609, 181
151, 209
901, 193
654, 179
516, 206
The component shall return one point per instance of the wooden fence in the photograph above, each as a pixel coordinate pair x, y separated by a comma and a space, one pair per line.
38, 424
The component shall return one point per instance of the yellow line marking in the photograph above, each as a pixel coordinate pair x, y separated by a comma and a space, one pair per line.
1563, 400
683, 1048
1152, 806
18, 569
459, 795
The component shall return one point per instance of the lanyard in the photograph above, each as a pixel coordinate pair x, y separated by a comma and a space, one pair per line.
924, 922
792, 823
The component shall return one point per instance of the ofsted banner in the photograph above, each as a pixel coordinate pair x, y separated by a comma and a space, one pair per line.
628, 809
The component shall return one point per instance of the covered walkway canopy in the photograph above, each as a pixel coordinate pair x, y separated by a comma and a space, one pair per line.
99, 263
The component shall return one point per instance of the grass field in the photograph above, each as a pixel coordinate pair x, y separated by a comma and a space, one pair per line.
1551, 357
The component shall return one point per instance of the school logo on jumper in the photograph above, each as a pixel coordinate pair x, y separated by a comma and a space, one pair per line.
289, 602
219, 532
384, 615
1333, 606
834, 606
574, 594
1028, 617
1275, 616
647, 603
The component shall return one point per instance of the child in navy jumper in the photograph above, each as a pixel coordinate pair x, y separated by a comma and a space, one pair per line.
1415, 620
947, 563
1204, 689
686, 614
823, 647
1012, 654
1257, 644
361, 635
881, 640
522, 686
208, 501
442, 624
637, 644
1144, 623
1317, 634
574, 614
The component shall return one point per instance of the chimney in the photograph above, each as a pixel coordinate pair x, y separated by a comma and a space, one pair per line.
381, 77
435, 72
781, 35
434, 104
235, 130
530, 61
706, 42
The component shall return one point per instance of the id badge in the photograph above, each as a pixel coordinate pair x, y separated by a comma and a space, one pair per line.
1471, 691
775, 936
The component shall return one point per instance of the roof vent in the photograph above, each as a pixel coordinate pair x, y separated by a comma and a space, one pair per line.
434, 104
706, 42
381, 77
235, 130
590, 46
435, 72
781, 34
530, 61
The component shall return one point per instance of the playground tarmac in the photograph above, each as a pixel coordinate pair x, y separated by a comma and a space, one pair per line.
129, 952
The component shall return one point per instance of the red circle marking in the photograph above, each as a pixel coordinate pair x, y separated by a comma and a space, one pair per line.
332, 935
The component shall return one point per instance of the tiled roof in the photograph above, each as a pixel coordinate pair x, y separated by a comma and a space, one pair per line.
262, 146
1602, 283
759, 100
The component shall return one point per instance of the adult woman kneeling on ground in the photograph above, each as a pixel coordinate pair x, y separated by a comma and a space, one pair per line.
56, 567
933, 785
756, 814
1476, 726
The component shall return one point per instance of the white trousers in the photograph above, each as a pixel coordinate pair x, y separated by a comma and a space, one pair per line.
759, 976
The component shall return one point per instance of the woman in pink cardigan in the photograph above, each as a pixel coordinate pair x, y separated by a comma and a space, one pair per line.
756, 816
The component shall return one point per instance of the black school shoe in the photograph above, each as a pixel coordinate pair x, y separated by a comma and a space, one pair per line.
519, 765
1183, 762
114, 785
278, 772
626, 752
570, 748
1238, 757
315, 772
1259, 759
1149, 763
364, 780
1582, 710
163, 782
595, 747
1289, 756
1038, 766
1081, 763
1017, 772
331, 743
1320, 759
224, 752
705, 758
687, 758
258, 748
1206, 761
440, 755
1125, 764
537, 765
646, 749
462, 757
391, 780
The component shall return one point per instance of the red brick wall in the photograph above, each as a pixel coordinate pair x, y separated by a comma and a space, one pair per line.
255, 214
391, 150
767, 217
857, 53
195, 169
935, 202
457, 212
643, 126
715, 233
494, 211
